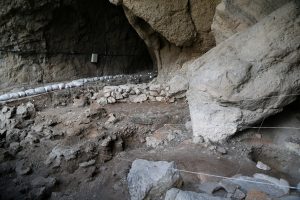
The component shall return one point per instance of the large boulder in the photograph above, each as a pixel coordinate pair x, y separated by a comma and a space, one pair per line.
150, 180
235, 16
174, 31
248, 77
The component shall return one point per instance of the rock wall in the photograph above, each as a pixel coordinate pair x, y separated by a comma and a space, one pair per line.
233, 16
248, 77
175, 31
46, 41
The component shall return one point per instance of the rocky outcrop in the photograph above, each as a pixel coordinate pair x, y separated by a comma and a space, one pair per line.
248, 77
48, 41
235, 16
174, 31
150, 180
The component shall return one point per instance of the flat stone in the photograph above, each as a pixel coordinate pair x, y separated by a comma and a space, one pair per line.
138, 98
87, 164
262, 166
150, 180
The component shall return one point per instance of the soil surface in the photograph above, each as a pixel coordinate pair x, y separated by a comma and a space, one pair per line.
72, 151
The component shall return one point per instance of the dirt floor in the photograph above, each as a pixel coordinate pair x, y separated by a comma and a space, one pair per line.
66, 150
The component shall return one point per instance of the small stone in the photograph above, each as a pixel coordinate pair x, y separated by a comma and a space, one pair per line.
153, 142
160, 99
87, 164
118, 96
21, 169
152, 98
137, 91
262, 166
172, 99
138, 98
111, 100
111, 119
102, 101
257, 135
107, 94
156, 88
106, 142
14, 148
198, 140
153, 93
80, 102
221, 150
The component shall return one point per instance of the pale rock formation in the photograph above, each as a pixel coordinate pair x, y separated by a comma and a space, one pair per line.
150, 180
235, 16
174, 31
248, 77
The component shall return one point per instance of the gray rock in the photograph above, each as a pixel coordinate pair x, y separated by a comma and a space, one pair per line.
150, 180
106, 141
102, 101
176, 194
221, 82
60, 152
111, 100
25, 110
87, 164
235, 16
178, 84
138, 98
221, 150
262, 166
21, 169
42, 187
14, 148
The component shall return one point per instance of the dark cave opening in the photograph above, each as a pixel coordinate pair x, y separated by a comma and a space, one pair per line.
81, 28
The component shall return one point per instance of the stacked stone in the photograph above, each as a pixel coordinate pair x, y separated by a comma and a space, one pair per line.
134, 93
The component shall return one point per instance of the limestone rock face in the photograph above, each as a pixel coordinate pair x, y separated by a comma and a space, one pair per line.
169, 18
48, 41
235, 16
174, 31
248, 77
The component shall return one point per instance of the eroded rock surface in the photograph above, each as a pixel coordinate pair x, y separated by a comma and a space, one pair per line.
150, 180
235, 16
246, 78
174, 31
47, 41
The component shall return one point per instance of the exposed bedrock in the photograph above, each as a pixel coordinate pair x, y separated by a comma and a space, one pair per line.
248, 77
174, 31
47, 41
233, 16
